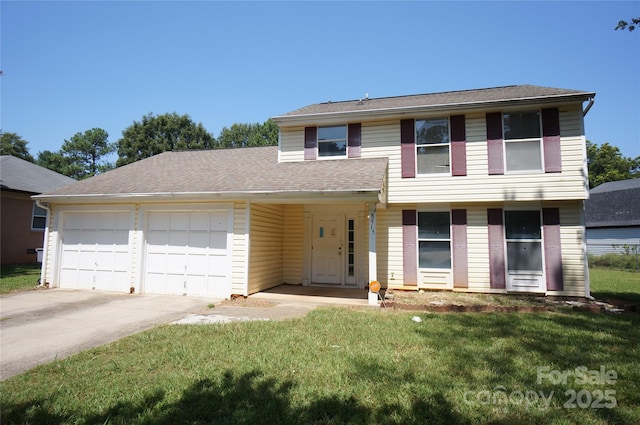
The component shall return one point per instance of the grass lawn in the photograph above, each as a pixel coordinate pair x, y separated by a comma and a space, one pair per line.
19, 277
361, 366
340, 366
615, 284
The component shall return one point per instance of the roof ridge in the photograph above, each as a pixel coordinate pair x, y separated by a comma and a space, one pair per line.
428, 94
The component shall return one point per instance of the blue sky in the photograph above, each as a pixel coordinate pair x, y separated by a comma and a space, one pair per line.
72, 66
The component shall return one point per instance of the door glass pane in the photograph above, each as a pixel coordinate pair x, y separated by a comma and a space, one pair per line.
433, 225
522, 224
524, 256
435, 254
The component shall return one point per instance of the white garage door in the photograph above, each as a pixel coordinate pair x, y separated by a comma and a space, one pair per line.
187, 253
95, 251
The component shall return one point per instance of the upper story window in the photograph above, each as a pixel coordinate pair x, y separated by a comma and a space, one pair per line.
38, 218
432, 145
332, 141
522, 136
434, 240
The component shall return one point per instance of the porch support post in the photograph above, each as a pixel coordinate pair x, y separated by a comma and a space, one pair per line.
373, 274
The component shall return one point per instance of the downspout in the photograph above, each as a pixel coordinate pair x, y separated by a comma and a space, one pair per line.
587, 278
591, 102
45, 243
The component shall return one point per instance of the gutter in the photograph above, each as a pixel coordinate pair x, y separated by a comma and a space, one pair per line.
45, 242
270, 196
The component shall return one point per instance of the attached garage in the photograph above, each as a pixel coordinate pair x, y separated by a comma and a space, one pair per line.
95, 250
188, 253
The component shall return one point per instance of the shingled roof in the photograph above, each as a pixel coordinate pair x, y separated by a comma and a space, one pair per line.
436, 100
230, 172
614, 204
24, 176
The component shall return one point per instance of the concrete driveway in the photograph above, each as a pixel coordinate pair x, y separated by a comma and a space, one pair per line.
37, 327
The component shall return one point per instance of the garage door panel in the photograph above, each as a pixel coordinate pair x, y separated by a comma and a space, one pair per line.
178, 239
196, 256
198, 240
200, 221
218, 242
95, 250
157, 238
220, 221
179, 221
158, 221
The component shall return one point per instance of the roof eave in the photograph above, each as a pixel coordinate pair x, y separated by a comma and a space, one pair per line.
322, 196
383, 113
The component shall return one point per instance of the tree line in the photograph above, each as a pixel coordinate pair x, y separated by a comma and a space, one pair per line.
86, 153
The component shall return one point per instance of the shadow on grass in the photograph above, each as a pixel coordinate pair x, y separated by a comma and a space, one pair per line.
248, 398
455, 347
612, 297
13, 270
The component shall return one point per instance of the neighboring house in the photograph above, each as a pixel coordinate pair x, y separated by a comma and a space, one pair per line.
477, 190
23, 223
613, 217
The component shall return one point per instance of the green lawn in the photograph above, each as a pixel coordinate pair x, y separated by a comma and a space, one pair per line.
19, 277
346, 366
352, 366
615, 284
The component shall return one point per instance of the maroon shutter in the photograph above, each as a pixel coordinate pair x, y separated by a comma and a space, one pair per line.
552, 249
409, 248
310, 142
494, 143
354, 142
459, 242
496, 248
408, 148
551, 140
458, 146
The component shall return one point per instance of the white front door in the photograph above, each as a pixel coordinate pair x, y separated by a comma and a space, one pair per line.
327, 260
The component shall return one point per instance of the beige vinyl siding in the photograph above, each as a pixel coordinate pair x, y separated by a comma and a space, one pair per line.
389, 240
266, 238
240, 252
292, 144
382, 139
293, 244
389, 246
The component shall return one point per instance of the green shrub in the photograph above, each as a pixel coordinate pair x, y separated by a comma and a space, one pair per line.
615, 261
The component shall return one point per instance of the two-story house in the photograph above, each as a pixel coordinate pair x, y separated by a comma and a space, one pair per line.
477, 190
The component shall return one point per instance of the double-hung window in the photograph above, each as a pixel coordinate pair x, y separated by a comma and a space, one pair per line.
38, 218
332, 141
524, 241
434, 240
522, 137
432, 144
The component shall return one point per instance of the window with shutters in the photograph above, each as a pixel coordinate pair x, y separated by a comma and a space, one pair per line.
332, 141
432, 146
522, 141
523, 233
434, 240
